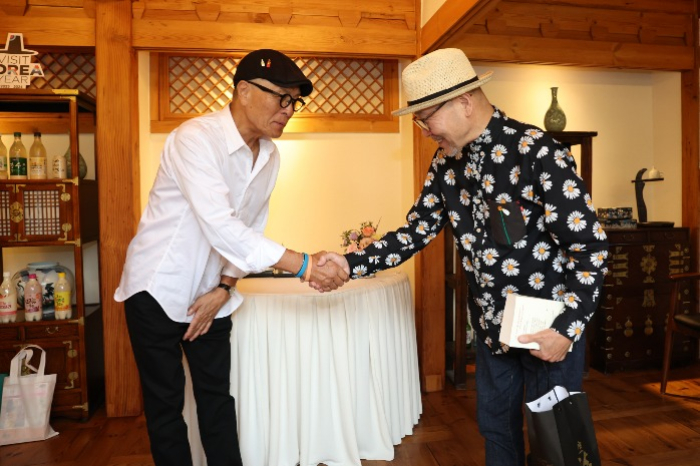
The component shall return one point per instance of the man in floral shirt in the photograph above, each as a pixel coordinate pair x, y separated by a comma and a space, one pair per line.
523, 223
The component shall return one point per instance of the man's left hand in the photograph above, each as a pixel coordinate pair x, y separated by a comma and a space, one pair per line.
204, 310
553, 346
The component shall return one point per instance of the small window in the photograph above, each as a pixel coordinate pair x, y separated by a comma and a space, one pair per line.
350, 94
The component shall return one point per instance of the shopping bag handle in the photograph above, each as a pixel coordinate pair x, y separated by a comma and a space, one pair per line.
26, 354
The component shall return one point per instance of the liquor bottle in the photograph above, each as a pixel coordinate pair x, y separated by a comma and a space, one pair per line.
62, 297
3, 161
58, 167
8, 300
18, 159
33, 299
37, 159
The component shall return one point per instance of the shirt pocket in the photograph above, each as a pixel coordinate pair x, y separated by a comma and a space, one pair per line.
506, 221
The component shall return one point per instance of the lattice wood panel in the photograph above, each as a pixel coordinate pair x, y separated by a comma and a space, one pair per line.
42, 213
67, 71
349, 86
199, 85
345, 90
5, 214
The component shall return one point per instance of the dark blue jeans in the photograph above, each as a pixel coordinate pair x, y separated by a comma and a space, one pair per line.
503, 382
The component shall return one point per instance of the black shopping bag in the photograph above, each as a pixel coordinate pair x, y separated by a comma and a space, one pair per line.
560, 430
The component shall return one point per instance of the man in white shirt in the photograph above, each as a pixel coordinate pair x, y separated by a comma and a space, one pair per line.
201, 231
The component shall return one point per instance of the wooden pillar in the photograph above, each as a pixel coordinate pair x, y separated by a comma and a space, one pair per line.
690, 135
430, 286
118, 174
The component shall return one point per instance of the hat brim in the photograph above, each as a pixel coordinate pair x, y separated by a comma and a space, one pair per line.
483, 79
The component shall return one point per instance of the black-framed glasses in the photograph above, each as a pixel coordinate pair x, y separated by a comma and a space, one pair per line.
422, 123
285, 99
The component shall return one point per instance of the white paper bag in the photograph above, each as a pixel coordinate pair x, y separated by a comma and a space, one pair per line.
26, 401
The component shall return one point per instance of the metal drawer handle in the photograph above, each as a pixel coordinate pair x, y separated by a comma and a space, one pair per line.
51, 332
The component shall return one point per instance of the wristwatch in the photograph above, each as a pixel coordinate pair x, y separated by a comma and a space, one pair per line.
226, 287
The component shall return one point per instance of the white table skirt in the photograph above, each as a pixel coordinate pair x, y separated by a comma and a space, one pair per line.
321, 378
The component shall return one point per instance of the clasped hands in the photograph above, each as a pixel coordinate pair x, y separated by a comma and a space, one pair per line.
329, 271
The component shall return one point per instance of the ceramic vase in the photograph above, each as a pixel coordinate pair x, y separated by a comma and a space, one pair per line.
82, 165
554, 119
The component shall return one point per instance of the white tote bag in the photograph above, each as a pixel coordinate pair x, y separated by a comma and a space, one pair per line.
26, 401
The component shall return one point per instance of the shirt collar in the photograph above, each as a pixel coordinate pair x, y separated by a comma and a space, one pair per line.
234, 140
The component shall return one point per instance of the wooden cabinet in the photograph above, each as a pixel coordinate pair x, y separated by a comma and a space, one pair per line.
59, 213
628, 329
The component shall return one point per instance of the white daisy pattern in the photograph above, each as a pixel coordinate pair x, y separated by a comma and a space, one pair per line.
514, 175
510, 267
490, 256
488, 182
450, 177
545, 181
498, 153
575, 330
571, 189
576, 221
541, 251
550, 213
536, 280
547, 241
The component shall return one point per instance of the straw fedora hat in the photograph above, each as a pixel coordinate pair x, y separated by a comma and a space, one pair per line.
436, 77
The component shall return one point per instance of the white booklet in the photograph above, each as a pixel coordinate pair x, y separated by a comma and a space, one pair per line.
524, 315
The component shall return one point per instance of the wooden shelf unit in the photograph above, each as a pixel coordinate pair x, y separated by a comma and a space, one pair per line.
55, 213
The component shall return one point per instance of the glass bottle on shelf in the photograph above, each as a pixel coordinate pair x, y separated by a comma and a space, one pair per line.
58, 167
8, 300
3, 160
18, 159
62, 297
37, 159
33, 299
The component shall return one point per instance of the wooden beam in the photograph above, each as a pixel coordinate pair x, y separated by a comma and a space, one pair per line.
305, 125
661, 6
452, 15
350, 18
14, 7
184, 35
208, 11
280, 15
51, 32
118, 174
573, 52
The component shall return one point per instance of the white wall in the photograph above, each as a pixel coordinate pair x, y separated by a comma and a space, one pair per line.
428, 9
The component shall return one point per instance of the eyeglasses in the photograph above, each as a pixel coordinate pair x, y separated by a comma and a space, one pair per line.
422, 123
285, 99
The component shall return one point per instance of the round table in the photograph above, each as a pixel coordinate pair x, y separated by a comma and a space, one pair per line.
321, 377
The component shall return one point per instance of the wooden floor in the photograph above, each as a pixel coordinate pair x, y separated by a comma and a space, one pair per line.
635, 427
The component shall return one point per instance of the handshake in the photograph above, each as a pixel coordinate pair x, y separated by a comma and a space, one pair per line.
325, 271
329, 271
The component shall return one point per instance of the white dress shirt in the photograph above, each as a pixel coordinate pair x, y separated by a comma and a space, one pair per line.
205, 217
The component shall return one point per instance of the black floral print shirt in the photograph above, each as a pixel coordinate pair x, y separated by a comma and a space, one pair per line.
523, 223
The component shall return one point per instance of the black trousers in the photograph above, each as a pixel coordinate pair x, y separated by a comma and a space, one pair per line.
158, 347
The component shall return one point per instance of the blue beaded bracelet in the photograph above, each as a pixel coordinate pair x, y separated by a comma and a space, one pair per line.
301, 271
